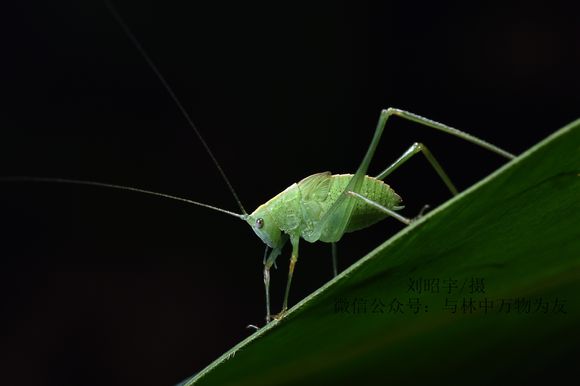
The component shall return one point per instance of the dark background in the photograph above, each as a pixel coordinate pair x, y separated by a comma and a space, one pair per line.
106, 287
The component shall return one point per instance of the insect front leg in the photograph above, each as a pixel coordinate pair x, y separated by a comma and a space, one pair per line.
267, 265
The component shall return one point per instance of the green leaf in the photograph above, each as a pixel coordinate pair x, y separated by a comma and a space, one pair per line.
510, 244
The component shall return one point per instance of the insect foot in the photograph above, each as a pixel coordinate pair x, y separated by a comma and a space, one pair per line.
424, 209
280, 315
252, 327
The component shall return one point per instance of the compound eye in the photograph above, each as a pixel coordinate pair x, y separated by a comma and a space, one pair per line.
260, 223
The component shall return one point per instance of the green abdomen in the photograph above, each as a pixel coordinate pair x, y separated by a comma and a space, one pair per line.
365, 215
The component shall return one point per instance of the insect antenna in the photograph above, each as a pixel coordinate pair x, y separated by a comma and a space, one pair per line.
120, 187
171, 93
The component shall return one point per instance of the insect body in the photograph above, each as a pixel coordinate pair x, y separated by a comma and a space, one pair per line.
301, 211
301, 208
323, 207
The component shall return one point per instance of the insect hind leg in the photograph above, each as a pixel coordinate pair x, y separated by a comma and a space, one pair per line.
419, 147
336, 219
448, 130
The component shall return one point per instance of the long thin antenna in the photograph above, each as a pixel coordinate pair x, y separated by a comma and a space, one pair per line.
120, 187
184, 112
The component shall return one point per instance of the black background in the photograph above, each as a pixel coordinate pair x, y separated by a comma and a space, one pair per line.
107, 287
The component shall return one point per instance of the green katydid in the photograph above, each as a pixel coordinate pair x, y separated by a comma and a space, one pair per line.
321, 207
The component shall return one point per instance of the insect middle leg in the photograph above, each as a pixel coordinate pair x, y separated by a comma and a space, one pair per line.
411, 151
294, 240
